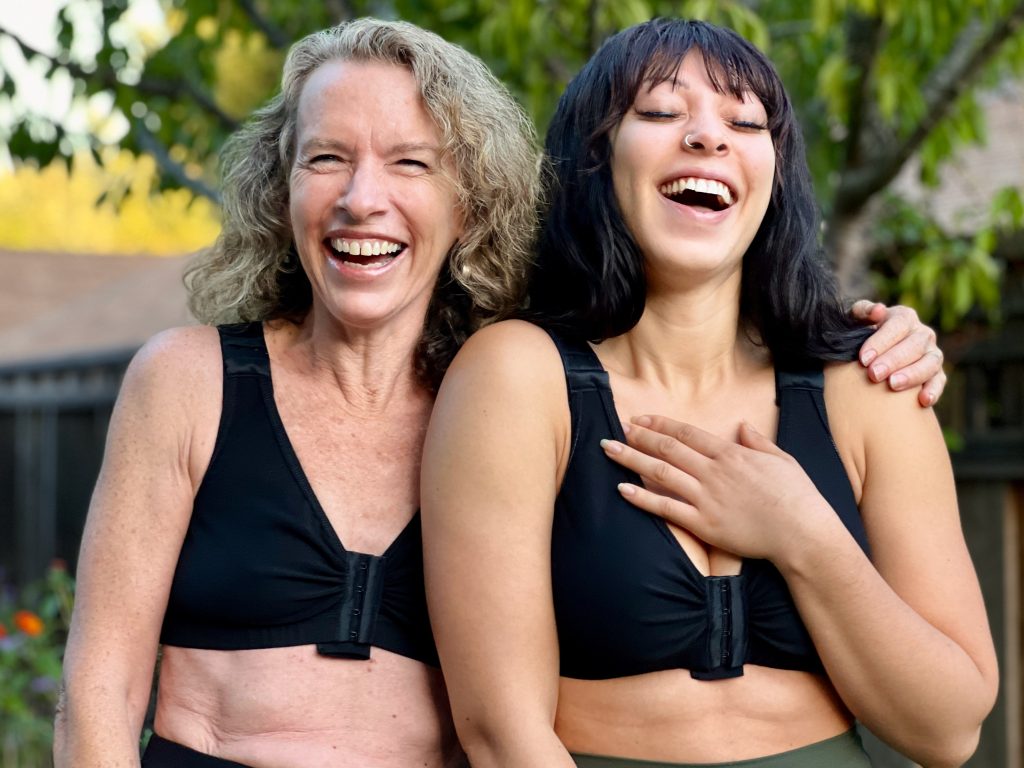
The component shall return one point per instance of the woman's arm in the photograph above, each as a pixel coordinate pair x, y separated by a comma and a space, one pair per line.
137, 520
904, 636
498, 437
912, 653
903, 351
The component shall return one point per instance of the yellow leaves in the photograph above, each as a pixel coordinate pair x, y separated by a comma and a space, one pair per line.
50, 209
206, 28
247, 70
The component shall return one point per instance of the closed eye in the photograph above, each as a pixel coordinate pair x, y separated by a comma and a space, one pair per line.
411, 163
651, 115
749, 125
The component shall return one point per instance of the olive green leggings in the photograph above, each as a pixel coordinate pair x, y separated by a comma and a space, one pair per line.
842, 751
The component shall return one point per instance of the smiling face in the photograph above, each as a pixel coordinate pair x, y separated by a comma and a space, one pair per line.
373, 208
692, 171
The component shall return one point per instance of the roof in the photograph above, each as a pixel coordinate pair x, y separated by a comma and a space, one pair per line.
58, 304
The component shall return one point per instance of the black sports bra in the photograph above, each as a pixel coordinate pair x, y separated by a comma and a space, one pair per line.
261, 566
627, 598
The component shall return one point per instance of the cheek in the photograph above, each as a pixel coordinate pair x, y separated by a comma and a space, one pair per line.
298, 205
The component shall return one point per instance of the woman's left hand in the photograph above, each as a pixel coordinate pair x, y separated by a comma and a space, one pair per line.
902, 350
750, 498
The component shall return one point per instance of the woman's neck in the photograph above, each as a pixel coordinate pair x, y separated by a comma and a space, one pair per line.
689, 342
371, 369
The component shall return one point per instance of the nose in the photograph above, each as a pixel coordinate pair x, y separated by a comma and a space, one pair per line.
364, 194
704, 139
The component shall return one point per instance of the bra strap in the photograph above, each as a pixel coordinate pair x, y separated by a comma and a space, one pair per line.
583, 371
244, 349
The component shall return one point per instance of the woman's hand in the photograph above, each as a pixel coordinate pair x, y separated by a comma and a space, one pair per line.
750, 498
902, 350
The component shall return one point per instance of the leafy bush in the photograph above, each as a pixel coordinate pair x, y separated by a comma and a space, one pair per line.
33, 629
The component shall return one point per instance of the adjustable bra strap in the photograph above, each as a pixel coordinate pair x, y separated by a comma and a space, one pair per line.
809, 378
583, 371
805, 434
244, 349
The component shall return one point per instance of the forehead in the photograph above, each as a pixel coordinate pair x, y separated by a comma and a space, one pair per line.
694, 69
364, 98
692, 76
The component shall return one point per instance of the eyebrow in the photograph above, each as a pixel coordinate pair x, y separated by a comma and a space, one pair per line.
316, 143
415, 146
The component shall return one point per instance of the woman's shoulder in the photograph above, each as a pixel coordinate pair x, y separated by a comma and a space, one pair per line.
176, 367
511, 358
863, 415
511, 345
848, 389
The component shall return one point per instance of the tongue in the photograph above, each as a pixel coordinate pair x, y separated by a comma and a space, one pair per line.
366, 260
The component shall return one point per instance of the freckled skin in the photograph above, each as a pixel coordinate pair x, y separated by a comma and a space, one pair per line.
348, 397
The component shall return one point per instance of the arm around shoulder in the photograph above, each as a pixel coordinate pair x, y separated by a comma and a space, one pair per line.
160, 436
498, 437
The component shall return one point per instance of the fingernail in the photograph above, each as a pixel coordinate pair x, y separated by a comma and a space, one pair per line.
610, 446
929, 399
626, 489
866, 356
880, 371
642, 421
626, 427
897, 381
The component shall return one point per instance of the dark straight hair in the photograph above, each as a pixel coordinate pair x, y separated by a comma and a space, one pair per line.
589, 281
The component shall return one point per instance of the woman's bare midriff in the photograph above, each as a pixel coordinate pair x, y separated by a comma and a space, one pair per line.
670, 716
292, 708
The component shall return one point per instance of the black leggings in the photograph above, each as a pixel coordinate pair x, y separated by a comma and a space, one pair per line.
161, 753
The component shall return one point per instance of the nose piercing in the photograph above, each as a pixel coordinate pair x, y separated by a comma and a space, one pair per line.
687, 141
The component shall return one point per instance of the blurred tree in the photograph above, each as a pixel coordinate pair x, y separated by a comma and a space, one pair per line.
875, 83
102, 208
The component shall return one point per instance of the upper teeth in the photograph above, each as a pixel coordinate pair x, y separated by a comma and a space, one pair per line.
707, 186
365, 247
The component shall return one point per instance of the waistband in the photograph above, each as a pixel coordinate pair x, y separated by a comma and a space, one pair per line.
842, 751
161, 753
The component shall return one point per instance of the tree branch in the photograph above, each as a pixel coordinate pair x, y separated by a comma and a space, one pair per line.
152, 145
593, 33
149, 86
274, 34
864, 38
974, 48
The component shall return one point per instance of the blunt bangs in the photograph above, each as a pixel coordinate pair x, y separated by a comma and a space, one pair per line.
650, 54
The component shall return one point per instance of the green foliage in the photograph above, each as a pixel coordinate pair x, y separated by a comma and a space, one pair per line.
873, 82
33, 630
944, 276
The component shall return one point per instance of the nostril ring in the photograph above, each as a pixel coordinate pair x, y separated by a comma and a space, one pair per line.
687, 141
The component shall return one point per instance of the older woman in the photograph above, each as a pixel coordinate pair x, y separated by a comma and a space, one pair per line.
256, 511
611, 587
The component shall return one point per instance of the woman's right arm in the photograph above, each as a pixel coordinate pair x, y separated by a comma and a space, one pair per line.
497, 437
160, 437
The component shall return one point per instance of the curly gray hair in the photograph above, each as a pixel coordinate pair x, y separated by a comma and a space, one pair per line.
252, 273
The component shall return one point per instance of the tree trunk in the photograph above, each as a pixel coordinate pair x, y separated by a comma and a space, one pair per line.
848, 243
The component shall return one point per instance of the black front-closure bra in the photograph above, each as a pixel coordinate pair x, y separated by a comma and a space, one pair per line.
628, 599
262, 566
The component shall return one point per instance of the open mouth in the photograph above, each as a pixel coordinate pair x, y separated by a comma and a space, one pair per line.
367, 253
698, 193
